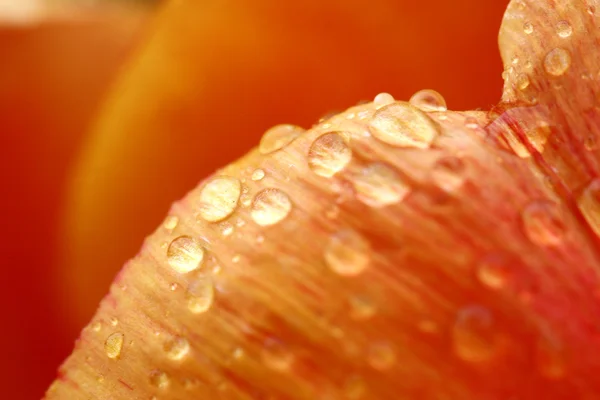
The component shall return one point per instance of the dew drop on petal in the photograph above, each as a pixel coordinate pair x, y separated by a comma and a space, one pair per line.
471, 123
270, 206
528, 28
361, 307
543, 223
493, 271
381, 356
383, 99
278, 137
200, 295
159, 379
448, 173
258, 174
557, 61
428, 100
378, 185
176, 348
96, 326
474, 334
113, 345
185, 254
276, 355
589, 204
564, 29
523, 81
171, 222
347, 253
402, 125
219, 198
329, 154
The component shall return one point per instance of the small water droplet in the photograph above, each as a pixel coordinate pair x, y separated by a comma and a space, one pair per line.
276, 355
173, 287
589, 204
523, 81
226, 228
219, 198
114, 321
347, 253
177, 348
378, 185
538, 137
564, 29
361, 307
278, 137
159, 379
381, 356
493, 271
354, 388
528, 28
557, 61
171, 222
185, 254
543, 223
96, 326
590, 142
428, 100
402, 125
474, 334
383, 99
329, 154
270, 206
200, 295
258, 174
100, 378
471, 123
448, 173
113, 345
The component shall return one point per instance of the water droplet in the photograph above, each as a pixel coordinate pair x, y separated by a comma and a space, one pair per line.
428, 100
550, 359
200, 295
383, 99
226, 228
564, 29
543, 223
378, 185
277, 355
329, 154
361, 307
159, 379
347, 253
448, 173
96, 326
258, 174
171, 222
474, 334
270, 206
528, 28
589, 204
557, 62
538, 137
278, 137
381, 356
354, 388
114, 321
177, 348
471, 123
173, 287
219, 198
523, 81
590, 142
493, 271
402, 125
113, 345
185, 254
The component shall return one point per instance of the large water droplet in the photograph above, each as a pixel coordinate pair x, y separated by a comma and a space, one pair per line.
381, 356
347, 253
564, 29
276, 355
402, 125
270, 206
557, 62
493, 271
378, 185
428, 100
219, 198
113, 345
177, 348
200, 295
159, 379
329, 154
589, 204
278, 137
543, 223
185, 254
474, 334
448, 173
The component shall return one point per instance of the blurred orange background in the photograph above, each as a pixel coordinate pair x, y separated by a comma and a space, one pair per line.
111, 112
